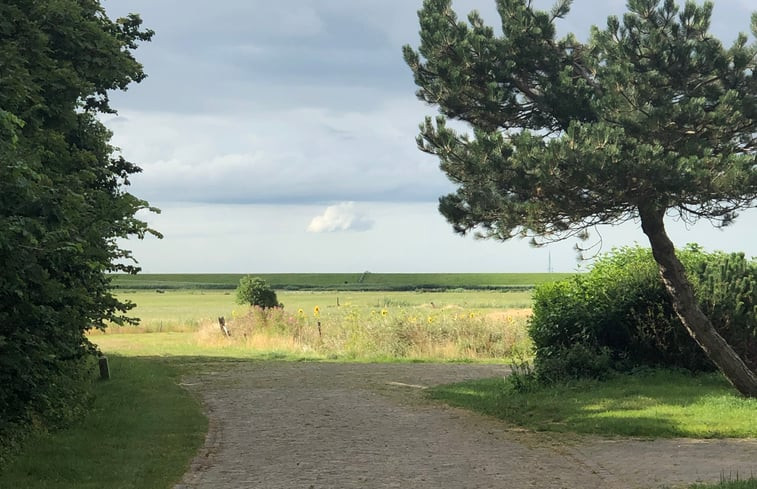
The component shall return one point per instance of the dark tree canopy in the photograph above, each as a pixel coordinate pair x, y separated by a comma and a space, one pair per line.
63, 203
651, 116
652, 111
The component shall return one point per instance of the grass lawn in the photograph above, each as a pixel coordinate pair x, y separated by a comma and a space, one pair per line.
650, 404
141, 433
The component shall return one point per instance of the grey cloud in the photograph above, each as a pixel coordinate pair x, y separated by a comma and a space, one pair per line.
293, 101
265, 54
300, 156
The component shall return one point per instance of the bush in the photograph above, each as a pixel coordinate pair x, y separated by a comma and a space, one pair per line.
619, 316
256, 292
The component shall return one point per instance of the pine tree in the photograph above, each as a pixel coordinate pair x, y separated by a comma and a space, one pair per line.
651, 117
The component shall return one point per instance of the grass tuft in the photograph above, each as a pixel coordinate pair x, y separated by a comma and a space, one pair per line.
730, 483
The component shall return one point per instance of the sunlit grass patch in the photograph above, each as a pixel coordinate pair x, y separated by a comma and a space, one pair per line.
650, 404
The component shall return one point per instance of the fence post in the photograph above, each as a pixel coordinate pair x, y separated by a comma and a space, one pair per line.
104, 368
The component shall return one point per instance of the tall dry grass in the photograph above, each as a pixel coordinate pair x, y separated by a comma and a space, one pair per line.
390, 332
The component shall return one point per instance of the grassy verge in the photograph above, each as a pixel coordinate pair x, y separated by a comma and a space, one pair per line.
170, 345
185, 344
651, 404
141, 433
729, 484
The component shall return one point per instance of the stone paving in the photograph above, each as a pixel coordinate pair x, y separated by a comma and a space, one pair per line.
335, 425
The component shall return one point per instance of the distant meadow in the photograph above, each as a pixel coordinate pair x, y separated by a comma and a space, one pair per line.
454, 317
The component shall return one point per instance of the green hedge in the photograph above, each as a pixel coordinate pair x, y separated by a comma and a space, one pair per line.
619, 317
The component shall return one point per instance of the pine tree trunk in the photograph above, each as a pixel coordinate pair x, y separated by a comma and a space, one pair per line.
697, 324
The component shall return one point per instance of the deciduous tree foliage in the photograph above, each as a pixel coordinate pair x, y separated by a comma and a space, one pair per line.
256, 292
652, 116
63, 203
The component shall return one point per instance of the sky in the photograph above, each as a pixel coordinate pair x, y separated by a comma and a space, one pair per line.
280, 137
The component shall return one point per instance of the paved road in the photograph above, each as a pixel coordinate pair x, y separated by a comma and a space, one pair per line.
321, 425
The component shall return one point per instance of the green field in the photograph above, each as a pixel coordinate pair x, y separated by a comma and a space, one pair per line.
481, 325
342, 281
185, 310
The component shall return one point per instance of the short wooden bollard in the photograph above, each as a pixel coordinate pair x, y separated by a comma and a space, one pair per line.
104, 368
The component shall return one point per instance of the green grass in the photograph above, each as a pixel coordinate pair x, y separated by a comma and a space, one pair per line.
651, 404
175, 310
185, 310
750, 483
141, 433
341, 281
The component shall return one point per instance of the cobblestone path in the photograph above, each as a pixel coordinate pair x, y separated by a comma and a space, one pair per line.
335, 425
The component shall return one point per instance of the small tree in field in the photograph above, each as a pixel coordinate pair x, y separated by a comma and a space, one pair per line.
256, 292
651, 117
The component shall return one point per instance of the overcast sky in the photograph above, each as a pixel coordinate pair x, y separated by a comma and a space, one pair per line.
280, 137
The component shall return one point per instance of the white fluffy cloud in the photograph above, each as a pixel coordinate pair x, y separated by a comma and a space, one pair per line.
340, 217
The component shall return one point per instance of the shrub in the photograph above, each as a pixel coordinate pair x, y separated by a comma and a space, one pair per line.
256, 292
619, 316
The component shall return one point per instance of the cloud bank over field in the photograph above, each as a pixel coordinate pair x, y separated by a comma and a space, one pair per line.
269, 127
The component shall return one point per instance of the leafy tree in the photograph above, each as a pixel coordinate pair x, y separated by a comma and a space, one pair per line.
62, 199
651, 117
256, 292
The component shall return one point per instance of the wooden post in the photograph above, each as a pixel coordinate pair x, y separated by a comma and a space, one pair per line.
104, 368
222, 324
